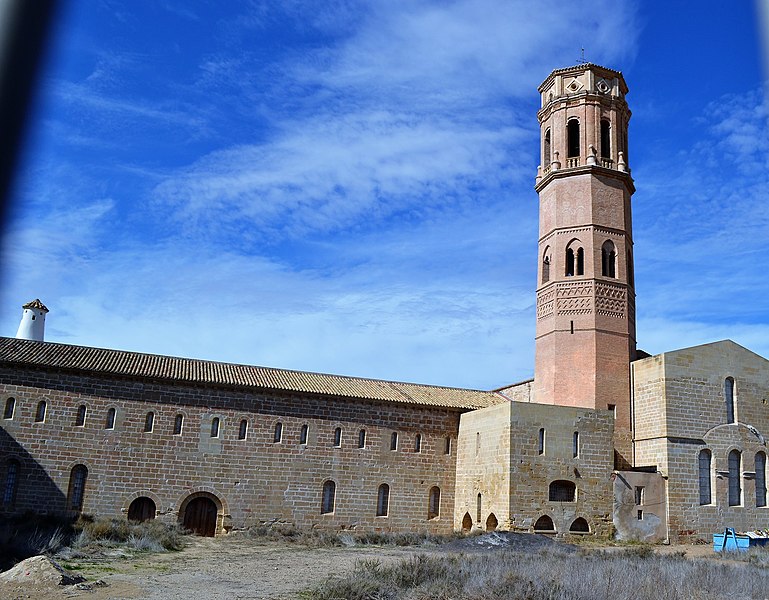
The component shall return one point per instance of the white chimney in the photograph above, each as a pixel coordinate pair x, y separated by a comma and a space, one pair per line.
32, 326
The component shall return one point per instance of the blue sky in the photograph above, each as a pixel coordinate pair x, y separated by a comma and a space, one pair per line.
347, 187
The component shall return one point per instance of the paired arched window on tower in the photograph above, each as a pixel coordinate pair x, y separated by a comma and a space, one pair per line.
546, 265
572, 133
575, 259
608, 259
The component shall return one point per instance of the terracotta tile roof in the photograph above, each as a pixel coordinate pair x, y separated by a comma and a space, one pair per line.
173, 369
36, 304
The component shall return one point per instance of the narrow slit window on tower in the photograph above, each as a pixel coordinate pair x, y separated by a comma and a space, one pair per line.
178, 424
630, 275
605, 139
546, 160
580, 261
303, 434
760, 479
575, 445
277, 433
546, 265
572, 129
418, 443
215, 427
362, 438
729, 399
394, 440
109, 423
447, 445
541, 441
478, 507
243, 429
337, 437
608, 259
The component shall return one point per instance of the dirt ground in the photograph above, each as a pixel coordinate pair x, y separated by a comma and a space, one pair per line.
235, 569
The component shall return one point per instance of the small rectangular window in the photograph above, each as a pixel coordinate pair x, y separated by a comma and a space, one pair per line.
640, 515
613, 409
149, 422
541, 441
447, 445
639, 495
362, 438
178, 424
394, 441
277, 434
303, 434
215, 427
243, 430
575, 445
337, 437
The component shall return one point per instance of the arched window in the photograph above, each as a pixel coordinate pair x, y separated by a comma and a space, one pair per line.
491, 522
729, 399
434, 503
243, 429
303, 434
178, 424
149, 422
608, 259
215, 427
11, 482
478, 507
735, 491
362, 438
562, 491
541, 441
394, 441
467, 522
579, 525
544, 524
383, 500
40, 412
546, 151
109, 422
572, 130
80, 416
277, 433
605, 139
338, 437
546, 265
142, 509
760, 479
569, 262
10, 405
704, 476
76, 494
328, 497
418, 443
575, 444
580, 261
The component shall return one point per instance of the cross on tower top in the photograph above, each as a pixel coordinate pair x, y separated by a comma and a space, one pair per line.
582, 60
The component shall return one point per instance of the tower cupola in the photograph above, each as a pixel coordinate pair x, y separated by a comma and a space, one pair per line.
32, 326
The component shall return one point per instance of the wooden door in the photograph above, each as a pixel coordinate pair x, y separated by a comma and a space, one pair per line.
200, 516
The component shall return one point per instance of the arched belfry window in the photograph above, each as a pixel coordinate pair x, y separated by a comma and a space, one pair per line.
729, 399
605, 139
546, 265
735, 491
608, 259
572, 132
575, 259
546, 155
704, 476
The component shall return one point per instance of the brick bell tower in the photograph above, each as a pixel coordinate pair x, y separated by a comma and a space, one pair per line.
585, 336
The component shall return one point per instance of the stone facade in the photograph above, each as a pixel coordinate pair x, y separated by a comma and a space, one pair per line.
669, 446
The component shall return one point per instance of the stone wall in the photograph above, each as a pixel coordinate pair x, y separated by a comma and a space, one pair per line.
499, 457
252, 480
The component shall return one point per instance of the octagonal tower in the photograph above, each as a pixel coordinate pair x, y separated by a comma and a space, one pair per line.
585, 336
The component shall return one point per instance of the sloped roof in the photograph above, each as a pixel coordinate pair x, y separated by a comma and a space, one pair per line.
187, 370
36, 304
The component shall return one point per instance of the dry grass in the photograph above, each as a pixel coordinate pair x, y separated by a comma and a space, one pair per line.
317, 538
508, 575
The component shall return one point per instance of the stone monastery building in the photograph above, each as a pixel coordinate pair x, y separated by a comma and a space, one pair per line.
603, 439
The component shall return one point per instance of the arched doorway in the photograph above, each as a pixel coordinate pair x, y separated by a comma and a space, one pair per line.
491, 522
544, 525
467, 522
142, 509
199, 516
